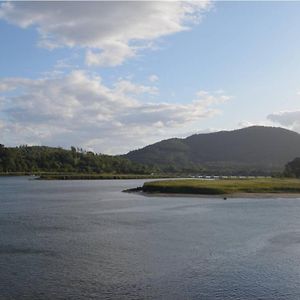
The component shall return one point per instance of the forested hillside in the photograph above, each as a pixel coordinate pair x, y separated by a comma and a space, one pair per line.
250, 151
292, 169
49, 159
253, 150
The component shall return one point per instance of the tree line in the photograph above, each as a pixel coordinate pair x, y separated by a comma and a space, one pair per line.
49, 159
292, 169
34, 159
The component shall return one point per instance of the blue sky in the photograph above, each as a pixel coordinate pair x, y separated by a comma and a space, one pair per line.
120, 84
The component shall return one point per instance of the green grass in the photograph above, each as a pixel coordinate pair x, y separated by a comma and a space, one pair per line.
223, 186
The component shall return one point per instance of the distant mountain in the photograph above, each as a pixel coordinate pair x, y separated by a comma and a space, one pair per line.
252, 150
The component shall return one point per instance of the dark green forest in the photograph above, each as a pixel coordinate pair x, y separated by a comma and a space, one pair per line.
33, 159
255, 150
292, 169
247, 153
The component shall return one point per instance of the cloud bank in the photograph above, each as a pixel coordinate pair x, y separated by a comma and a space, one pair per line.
110, 31
80, 109
77, 107
290, 119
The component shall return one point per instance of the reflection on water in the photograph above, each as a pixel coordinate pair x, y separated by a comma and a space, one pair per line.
88, 240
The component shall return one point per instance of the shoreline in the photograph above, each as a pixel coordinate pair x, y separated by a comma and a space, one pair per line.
217, 196
53, 176
229, 188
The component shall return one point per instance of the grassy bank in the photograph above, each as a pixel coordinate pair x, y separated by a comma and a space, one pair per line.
223, 187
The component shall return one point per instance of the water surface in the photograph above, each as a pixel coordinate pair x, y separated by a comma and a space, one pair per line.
88, 240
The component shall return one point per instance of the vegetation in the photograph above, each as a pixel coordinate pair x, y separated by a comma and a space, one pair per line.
97, 176
292, 169
223, 186
25, 160
249, 151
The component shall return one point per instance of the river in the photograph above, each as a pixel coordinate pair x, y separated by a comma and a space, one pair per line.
88, 240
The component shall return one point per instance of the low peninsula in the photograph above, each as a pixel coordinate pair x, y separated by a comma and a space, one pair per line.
290, 186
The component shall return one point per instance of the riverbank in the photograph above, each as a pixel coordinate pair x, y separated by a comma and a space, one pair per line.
98, 176
83, 176
237, 187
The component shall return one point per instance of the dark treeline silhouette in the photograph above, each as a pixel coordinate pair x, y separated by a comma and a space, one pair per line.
250, 151
50, 159
292, 169
255, 150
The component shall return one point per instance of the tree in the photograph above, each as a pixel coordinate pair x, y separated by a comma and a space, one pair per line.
48, 159
292, 169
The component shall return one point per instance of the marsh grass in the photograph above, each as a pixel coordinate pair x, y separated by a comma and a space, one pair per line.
224, 186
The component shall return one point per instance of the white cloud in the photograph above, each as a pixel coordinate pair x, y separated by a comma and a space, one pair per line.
153, 78
207, 98
289, 119
111, 31
4, 87
124, 87
245, 123
113, 54
78, 109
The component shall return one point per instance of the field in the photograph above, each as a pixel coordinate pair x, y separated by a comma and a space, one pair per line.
223, 186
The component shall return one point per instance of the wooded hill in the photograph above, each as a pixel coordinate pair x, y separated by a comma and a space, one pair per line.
255, 150
292, 169
49, 159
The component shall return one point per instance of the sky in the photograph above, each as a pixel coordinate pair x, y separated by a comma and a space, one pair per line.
111, 77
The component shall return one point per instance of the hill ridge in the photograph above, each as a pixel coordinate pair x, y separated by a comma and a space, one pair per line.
254, 149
